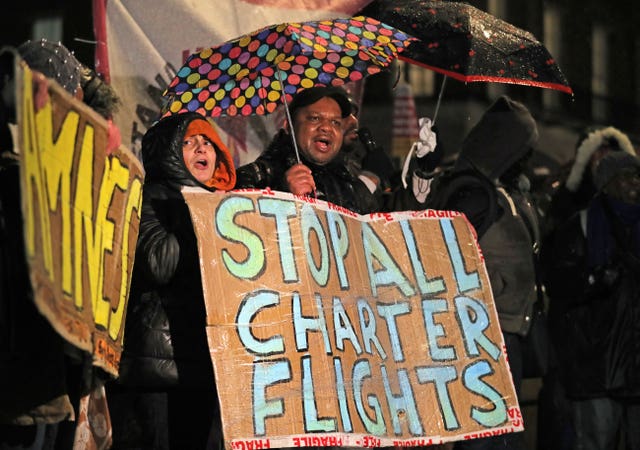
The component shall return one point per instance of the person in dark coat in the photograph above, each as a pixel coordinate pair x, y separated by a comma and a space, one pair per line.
487, 183
570, 191
167, 389
594, 285
317, 115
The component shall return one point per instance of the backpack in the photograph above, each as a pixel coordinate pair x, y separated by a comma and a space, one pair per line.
444, 188
449, 184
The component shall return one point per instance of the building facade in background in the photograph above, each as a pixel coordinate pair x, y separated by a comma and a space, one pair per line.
595, 43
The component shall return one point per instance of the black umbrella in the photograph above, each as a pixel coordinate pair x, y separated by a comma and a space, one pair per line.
468, 44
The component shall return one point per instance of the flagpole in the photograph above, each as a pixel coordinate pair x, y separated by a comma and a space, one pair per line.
435, 114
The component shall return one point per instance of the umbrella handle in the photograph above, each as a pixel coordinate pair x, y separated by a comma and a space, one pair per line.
435, 114
286, 109
288, 113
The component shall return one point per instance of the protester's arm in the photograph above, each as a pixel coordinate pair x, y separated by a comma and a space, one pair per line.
165, 228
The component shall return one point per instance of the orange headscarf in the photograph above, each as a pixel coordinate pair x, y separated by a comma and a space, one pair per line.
224, 176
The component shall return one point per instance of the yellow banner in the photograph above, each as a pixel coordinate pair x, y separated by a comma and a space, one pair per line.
327, 328
81, 209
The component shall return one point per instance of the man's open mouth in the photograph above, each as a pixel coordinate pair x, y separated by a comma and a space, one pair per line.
323, 144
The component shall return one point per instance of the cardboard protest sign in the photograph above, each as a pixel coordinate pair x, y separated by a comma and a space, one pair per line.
81, 210
327, 328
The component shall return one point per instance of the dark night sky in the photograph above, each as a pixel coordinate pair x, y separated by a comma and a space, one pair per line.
18, 18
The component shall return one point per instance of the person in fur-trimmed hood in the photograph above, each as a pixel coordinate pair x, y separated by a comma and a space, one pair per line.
592, 262
575, 183
573, 189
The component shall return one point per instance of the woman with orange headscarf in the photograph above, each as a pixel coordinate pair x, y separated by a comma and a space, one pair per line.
166, 395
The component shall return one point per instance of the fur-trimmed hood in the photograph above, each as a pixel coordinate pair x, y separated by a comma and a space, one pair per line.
586, 148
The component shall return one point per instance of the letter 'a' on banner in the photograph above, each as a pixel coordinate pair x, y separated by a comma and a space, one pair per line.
81, 210
327, 328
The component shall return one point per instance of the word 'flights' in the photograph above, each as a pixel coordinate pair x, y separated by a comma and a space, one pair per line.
383, 320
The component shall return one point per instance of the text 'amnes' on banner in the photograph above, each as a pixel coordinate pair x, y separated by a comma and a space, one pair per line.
81, 210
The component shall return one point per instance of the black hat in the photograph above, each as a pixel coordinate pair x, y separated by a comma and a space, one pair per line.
55, 61
309, 96
612, 165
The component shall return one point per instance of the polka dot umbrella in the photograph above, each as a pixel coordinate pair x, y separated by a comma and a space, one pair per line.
249, 75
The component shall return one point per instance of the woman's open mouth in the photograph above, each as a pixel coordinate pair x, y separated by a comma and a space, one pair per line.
201, 164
